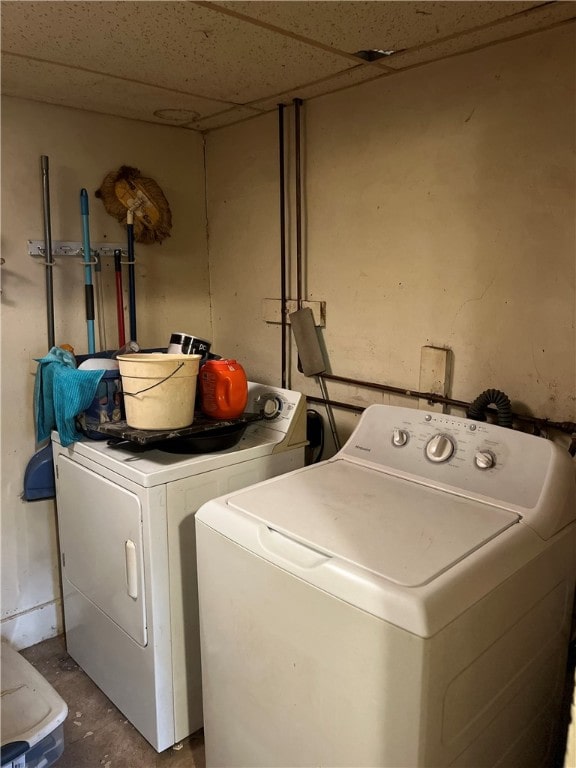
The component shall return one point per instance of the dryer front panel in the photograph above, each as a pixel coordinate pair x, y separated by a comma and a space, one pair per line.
101, 545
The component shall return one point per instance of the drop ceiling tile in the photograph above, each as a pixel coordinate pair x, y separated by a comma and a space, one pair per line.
177, 45
345, 79
352, 25
541, 18
212, 58
84, 90
227, 117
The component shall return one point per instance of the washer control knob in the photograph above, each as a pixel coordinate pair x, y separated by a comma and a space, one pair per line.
484, 459
270, 405
399, 438
439, 448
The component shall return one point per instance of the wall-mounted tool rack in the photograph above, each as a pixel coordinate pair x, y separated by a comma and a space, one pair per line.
36, 248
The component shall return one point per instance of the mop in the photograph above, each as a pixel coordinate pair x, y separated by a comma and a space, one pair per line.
140, 203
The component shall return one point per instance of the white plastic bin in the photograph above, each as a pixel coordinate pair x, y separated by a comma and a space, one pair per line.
32, 715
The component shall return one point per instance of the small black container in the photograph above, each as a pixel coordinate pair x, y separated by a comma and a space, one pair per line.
184, 344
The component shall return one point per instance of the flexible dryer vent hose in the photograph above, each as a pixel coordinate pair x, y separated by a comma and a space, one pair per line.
477, 410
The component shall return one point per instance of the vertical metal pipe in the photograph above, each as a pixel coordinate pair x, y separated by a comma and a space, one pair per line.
48, 260
298, 182
283, 307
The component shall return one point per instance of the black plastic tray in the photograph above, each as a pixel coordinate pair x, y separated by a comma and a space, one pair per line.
201, 425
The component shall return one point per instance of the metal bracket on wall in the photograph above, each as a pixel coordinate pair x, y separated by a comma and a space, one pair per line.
36, 248
272, 310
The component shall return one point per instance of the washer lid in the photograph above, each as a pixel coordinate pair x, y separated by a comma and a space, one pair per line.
400, 530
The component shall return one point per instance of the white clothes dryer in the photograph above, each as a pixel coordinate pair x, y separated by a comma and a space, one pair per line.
127, 543
406, 603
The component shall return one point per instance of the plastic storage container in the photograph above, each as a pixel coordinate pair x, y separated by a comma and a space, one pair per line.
32, 715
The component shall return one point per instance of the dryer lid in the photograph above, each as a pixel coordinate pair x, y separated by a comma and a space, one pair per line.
400, 530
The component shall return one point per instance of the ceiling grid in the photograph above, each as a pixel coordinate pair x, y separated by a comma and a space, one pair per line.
203, 65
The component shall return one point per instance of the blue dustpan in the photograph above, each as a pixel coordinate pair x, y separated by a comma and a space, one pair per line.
39, 480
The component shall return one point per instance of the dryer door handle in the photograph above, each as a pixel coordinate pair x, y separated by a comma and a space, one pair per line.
131, 569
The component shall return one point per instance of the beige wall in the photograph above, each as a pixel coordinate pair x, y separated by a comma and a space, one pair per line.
172, 293
439, 210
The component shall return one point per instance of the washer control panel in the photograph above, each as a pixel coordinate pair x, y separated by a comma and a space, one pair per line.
280, 407
475, 458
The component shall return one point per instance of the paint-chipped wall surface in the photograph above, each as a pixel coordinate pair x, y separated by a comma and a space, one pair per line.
171, 295
439, 210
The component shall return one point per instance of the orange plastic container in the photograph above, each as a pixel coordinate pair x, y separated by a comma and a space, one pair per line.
223, 389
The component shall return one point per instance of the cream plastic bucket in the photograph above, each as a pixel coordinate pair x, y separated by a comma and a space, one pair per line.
159, 389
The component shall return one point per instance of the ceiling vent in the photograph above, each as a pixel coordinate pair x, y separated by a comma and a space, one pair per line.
373, 54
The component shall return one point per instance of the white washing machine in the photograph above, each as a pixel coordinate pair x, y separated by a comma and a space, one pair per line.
406, 603
127, 541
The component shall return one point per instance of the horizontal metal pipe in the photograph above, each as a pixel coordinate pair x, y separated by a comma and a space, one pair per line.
432, 397
336, 404
562, 426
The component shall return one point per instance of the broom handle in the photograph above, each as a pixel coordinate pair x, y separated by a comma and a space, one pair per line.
119, 298
131, 274
89, 288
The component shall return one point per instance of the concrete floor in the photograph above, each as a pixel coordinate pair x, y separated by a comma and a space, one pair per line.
96, 734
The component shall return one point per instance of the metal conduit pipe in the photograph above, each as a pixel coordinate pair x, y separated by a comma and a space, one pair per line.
318, 371
398, 390
48, 258
298, 183
568, 427
336, 404
284, 319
